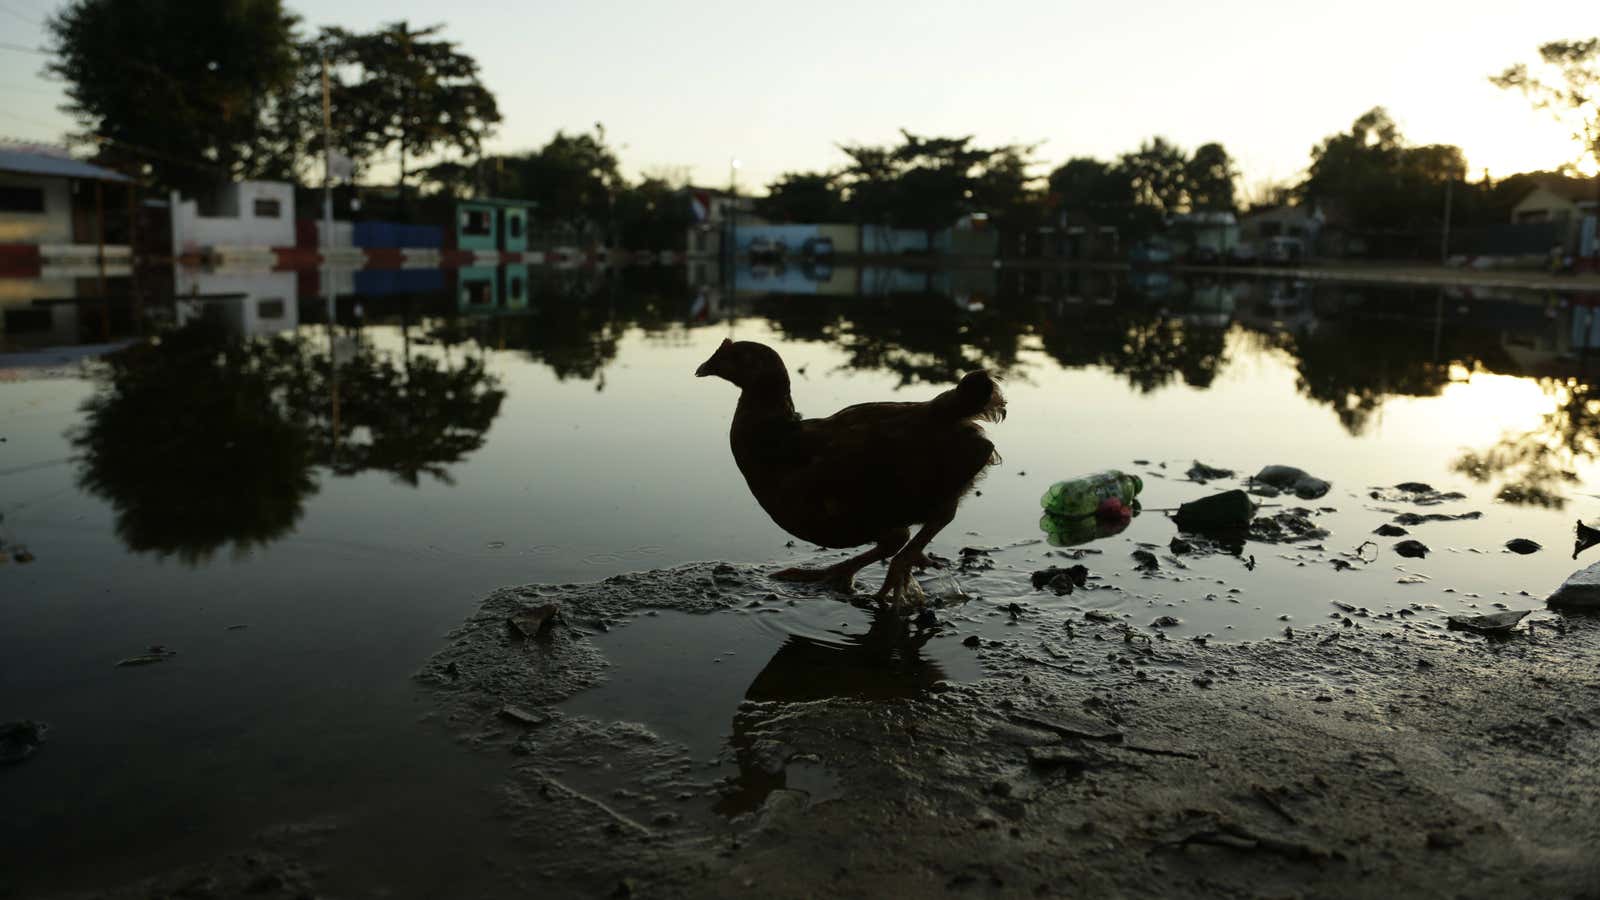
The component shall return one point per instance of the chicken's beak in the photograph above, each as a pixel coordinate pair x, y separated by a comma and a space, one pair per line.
709, 366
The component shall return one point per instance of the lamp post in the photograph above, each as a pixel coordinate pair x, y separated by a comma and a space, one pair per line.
733, 220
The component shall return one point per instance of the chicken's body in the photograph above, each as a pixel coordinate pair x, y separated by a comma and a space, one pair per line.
864, 475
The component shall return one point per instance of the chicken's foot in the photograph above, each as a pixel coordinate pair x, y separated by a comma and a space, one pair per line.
842, 575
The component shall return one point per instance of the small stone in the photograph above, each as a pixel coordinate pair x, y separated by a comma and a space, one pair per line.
521, 716
535, 621
1523, 546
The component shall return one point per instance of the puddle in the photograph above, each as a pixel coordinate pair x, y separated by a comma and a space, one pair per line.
684, 675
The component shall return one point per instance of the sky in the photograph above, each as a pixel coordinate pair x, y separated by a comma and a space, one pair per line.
693, 86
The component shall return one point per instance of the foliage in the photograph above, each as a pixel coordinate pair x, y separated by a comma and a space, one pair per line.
803, 197
1569, 87
402, 89
572, 180
1158, 173
180, 86
1210, 178
1374, 180
929, 182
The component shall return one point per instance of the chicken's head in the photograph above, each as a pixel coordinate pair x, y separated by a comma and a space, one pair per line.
748, 365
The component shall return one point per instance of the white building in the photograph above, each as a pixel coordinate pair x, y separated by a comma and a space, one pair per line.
242, 219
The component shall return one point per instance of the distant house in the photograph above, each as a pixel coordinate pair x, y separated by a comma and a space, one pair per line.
1555, 201
713, 212
239, 219
1571, 207
54, 210
1282, 231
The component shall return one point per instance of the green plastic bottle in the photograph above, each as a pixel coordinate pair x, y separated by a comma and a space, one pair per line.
1063, 531
1082, 496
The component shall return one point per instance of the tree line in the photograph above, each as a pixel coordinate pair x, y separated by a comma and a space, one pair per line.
187, 92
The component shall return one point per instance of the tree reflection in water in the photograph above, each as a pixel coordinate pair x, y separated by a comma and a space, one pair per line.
1539, 465
201, 440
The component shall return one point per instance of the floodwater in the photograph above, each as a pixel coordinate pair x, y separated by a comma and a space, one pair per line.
347, 494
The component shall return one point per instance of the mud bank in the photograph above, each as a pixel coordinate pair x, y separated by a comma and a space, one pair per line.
1363, 757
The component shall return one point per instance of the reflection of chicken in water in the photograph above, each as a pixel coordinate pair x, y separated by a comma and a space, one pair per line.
863, 475
885, 663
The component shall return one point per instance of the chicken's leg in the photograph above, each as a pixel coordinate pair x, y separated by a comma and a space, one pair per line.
899, 588
842, 575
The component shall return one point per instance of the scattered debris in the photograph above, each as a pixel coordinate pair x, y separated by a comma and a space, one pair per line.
1165, 622
533, 622
521, 716
1287, 527
1413, 519
1059, 580
1411, 549
1523, 546
19, 739
1288, 478
1387, 530
1414, 492
1499, 623
156, 653
1202, 473
1146, 560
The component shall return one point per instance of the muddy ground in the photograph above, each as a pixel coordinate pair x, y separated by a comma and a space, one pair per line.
1362, 757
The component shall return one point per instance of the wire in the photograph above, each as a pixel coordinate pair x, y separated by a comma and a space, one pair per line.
18, 48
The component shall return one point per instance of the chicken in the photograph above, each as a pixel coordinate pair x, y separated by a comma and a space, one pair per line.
864, 475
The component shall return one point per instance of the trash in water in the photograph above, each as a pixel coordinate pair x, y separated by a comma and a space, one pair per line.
1229, 509
19, 739
1387, 530
1493, 623
1586, 537
1411, 549
1146, 560
1063, 531
1288, 478
1082, 496
1523, 546
1287, 527
1202, 473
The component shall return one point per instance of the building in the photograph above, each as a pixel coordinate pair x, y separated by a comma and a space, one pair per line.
56, 211
1571, 206
714, 213
242, 220
489, 225
1283, 232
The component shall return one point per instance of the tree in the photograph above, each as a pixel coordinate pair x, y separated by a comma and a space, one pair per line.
1158, 173
175, 88
803, 197
1377, 181
929, 182
1210, 177
401, 88
573, 180
1570, 88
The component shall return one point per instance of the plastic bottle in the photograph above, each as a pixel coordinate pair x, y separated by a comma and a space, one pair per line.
1065, 531
1082, 496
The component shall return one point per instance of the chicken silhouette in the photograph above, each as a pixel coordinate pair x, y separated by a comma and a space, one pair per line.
865, 474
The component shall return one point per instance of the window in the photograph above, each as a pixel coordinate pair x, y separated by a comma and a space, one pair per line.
700, 241
268, 208
516, 288
270, 309
21, 199
516, 225
477, 293
477, 222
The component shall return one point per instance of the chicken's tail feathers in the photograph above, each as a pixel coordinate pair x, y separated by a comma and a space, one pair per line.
976, 398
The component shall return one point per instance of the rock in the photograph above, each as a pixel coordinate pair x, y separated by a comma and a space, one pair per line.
1060, 759
1099, 615
1203, 473
1581, 590
521, 716
532, 622
1146, 560
1586, 537
156, 653
1523, 546
1414, 492
972, 640
1411, 549
1178, 546
1059, 580
1165, 622
1494, 623
1288, 478
1387, 530
1229, 509
19, 739
1411, 519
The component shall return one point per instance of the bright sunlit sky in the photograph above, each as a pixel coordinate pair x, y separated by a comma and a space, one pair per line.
776, 86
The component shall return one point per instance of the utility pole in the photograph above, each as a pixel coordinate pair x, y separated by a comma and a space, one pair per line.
1444, 238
